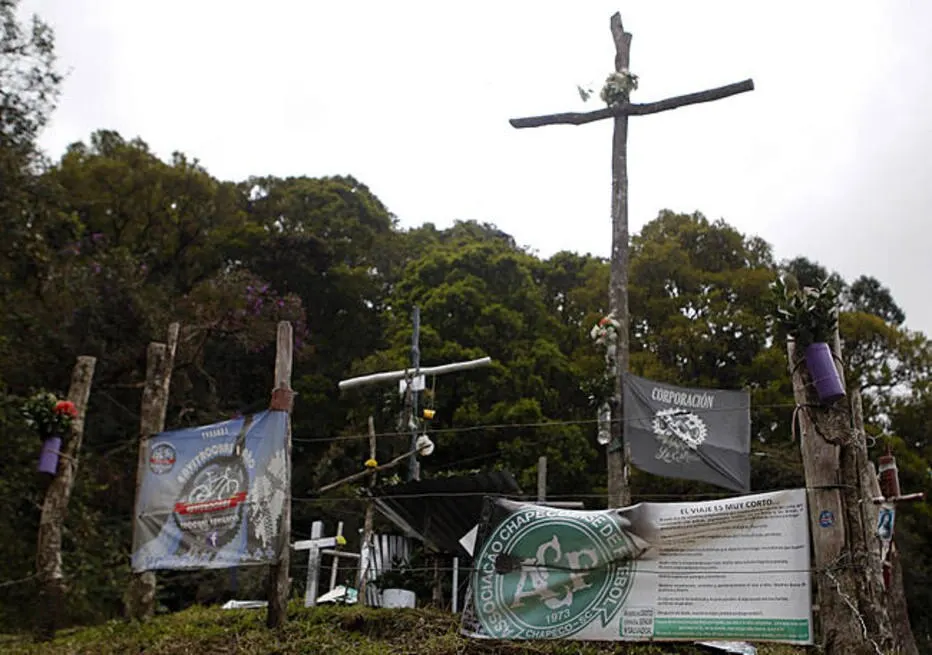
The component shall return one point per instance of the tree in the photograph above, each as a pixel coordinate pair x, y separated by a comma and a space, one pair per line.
868, 296
479, 295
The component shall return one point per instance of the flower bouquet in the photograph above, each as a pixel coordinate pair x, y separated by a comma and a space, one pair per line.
51, 418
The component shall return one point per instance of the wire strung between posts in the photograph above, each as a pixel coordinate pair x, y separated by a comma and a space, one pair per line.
495, 426
672, 572
10, 583
532, 499
512, 426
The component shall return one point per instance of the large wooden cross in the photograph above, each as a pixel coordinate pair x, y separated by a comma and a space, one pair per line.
618, 493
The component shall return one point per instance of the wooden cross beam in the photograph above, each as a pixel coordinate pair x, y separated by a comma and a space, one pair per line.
618, 493
629, 109
888, 484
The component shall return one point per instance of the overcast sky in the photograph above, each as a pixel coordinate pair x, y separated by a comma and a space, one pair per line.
827, 158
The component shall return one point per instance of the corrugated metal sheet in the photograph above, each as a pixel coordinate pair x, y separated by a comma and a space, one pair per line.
439, 511
385, 552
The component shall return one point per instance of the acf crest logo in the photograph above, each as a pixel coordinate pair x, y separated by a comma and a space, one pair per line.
548, 573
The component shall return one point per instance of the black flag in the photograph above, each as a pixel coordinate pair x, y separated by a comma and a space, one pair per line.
694, 434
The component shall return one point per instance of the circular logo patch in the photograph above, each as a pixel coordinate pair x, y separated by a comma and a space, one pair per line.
162, 458
211, 502
826, 518
680, 433
548, 573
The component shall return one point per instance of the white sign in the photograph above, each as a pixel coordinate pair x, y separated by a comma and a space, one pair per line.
736, 568
417, 384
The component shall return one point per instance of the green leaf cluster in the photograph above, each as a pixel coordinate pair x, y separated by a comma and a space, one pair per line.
808, 314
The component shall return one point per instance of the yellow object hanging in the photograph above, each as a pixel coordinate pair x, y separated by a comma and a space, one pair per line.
371, 463
341, 540
429, 413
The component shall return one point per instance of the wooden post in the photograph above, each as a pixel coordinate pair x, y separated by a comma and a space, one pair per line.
279, 586
842, 592
862, 525
896, 606
55, 506
437, 590
365, 552
618, 492
335, 568
139, 600
541, 479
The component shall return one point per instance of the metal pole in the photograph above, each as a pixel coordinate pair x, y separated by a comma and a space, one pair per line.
416, 365
391, 376
456, 583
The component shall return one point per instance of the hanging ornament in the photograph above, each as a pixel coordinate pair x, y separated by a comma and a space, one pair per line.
604, 435
888, 474
424, 445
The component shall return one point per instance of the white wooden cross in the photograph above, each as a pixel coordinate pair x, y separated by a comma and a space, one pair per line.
313, 546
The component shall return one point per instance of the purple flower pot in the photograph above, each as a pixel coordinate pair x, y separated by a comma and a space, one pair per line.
48, 458
824, 374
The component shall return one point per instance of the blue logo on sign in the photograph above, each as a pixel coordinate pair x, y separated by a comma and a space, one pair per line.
826, 518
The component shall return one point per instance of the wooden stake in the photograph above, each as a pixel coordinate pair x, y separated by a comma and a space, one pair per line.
619, 494
279, 580
365, 552
896, 606
862, 522
55, 506
139, 600
541, 479
335, 568
437, 590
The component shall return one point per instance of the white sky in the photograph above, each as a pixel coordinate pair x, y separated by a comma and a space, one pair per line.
827, 158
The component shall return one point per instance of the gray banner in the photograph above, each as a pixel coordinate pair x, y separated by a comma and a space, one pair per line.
688, 433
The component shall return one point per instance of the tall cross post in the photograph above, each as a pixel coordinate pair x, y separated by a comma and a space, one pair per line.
618, 492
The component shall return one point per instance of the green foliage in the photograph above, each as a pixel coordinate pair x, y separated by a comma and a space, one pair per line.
868, 295
47, 415
808, 314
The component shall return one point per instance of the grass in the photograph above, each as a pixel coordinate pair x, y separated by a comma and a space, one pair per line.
336, 630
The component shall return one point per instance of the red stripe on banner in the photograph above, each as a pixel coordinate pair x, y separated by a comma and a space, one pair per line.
210, 505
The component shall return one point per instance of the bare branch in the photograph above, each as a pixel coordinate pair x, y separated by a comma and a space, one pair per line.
581, 118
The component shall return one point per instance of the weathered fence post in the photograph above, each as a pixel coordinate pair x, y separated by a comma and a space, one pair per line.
55, 505
139, 600
365, 551
541, 479
851, 618
279, 585
896, 606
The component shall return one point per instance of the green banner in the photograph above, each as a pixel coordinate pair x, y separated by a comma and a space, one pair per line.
735, 568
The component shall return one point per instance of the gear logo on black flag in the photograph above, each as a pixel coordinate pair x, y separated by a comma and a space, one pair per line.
689, 433
680, 434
